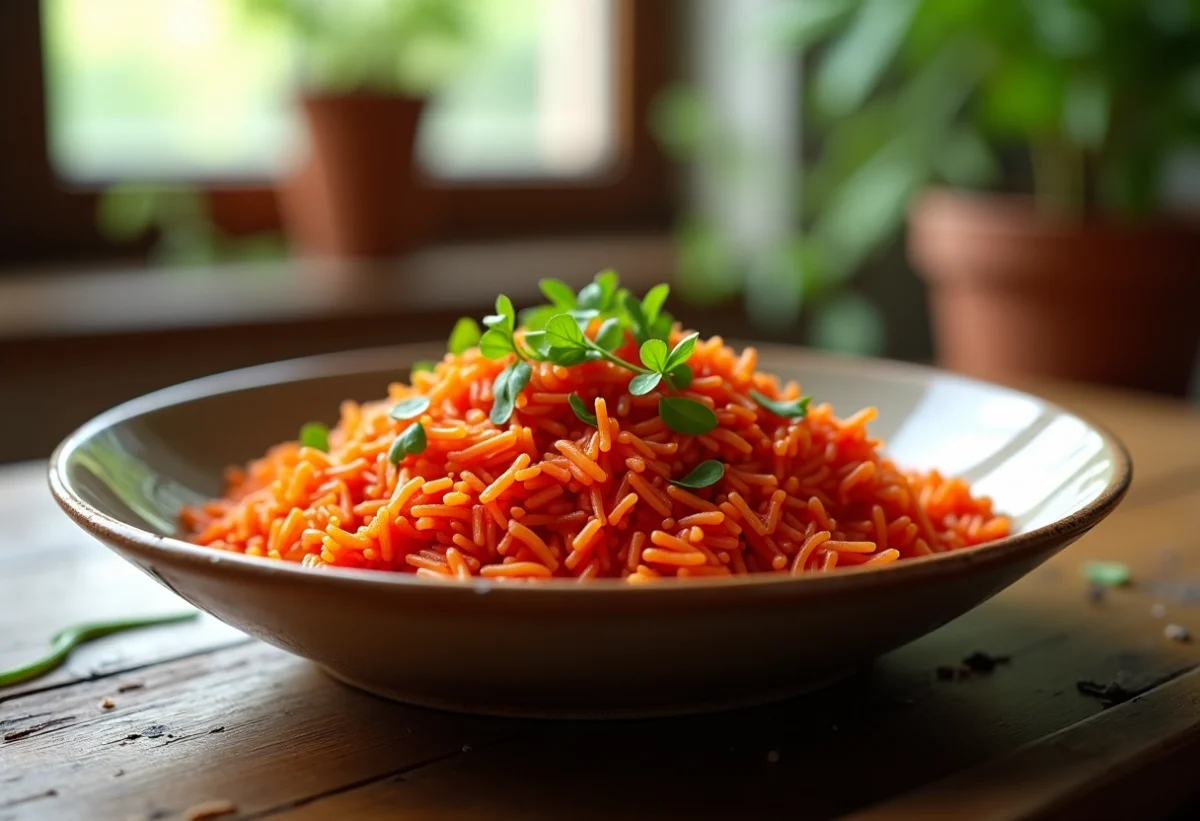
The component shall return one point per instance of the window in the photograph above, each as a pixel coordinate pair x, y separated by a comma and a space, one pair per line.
148, 89
545, 131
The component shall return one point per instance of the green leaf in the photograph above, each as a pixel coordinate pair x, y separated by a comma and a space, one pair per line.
787, 408
508, 385
581, 410
464, 335
637, 317
315, 435
537, 341
681, 377
591, 296
409, 408
608, 282
422, 365
583, 318
504, 308
1086, 111
686, 416
643, 383
654, 355
568, 357
495, 343
562, 331
1106, 574
413, 439
559, 293
681, 351
708, 472
654, 300
535, 319
854, 64
611, 334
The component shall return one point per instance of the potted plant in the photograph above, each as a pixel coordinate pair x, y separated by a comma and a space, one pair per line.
1028, 144
366, 71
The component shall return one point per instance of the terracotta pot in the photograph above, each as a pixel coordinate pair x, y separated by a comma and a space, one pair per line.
358, 192
1015, 293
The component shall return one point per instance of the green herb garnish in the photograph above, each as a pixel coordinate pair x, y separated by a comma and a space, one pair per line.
64, 641
1106, 574
410, 442
508, 385
315, 435
787, 408
686, 416
708, 472
556, 333
422, 365
409, 408
464, 335
581, 410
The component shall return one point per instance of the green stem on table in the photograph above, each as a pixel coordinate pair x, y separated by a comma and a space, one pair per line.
67, 639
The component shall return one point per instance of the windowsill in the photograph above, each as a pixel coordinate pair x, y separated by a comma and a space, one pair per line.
69, 302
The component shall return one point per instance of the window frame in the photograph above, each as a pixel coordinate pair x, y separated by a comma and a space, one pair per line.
44, 217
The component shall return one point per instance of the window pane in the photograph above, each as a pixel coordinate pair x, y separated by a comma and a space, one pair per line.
187, 89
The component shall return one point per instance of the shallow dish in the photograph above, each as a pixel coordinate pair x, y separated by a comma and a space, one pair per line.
605, 647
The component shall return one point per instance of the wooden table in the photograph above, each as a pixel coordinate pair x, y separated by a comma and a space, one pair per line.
201, 713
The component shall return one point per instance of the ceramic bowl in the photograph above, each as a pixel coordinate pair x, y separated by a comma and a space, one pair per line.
606, 647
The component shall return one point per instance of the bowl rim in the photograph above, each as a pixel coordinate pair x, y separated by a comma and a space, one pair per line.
366, 360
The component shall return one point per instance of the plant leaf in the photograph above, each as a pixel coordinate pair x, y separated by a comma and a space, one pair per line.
568, 357
508, 385
396, 452
637, 317
787, 408
708, 472
681, 376
562, 331
504, 308
591, 297
654, 355
581, 410
495, 343
465, 334
608, 282
686, 416
560, 294
315, 435
681, 352
643, 383
653, 301
413, 439
422, 365
854, 63
611, 334
409, 408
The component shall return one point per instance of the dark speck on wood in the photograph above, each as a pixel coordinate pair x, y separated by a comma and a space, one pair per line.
981, 662
14, 735
220, 729
130, 687
154, 731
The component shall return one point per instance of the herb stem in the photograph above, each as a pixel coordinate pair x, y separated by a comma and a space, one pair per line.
616, 360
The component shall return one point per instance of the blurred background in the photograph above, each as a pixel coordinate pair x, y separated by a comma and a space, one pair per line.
1007, 189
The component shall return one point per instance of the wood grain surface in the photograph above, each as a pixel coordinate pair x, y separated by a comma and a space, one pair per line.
200, 713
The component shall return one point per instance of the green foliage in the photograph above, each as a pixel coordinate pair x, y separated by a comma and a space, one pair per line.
393, 46
1079, 102
178, 219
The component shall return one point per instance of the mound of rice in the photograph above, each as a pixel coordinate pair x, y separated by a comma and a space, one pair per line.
547, 495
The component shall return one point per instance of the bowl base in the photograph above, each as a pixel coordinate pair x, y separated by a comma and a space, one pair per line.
716, 704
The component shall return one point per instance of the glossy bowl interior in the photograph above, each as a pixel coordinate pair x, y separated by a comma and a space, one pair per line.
602, 648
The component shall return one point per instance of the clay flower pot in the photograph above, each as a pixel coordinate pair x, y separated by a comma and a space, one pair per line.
358, 192
1016, 293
